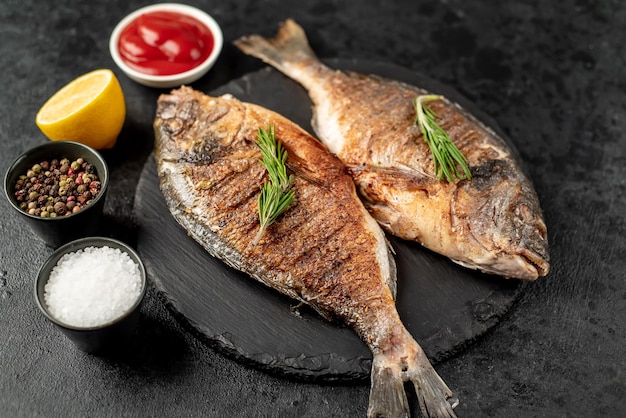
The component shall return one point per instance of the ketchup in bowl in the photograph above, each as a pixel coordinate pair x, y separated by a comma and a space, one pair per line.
165, 43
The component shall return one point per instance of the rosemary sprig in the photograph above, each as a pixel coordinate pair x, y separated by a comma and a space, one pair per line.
446, 156
276, 194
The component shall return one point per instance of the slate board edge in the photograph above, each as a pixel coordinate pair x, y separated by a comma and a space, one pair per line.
337, 370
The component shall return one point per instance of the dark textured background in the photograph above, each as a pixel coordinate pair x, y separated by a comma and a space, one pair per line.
550, 73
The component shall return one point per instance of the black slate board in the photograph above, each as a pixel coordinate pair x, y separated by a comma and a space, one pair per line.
444, 306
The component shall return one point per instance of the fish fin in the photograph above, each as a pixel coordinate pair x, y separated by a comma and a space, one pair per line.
324, 313
387, 395
392, 281
290, 45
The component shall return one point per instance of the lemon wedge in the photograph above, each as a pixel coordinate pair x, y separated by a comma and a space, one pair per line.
90, 109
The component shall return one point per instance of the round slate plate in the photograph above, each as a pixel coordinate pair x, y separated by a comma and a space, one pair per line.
444, 306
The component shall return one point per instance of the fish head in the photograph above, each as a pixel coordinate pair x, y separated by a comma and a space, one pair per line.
498, 216
181, 134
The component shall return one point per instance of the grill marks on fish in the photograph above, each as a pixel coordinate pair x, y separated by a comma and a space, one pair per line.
368, 122
325, 250
232, 188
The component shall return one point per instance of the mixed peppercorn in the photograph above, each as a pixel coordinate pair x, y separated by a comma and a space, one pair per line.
57, 188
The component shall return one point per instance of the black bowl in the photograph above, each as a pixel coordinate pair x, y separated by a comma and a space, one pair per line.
111, 337
62, 229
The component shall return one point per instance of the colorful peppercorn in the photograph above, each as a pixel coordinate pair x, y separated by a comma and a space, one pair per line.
57, 187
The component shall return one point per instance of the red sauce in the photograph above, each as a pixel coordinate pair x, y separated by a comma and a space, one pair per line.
165, 43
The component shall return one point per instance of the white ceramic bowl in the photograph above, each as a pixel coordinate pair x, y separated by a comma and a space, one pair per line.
174, 80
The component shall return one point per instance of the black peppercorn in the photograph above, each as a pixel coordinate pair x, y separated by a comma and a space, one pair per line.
60, 208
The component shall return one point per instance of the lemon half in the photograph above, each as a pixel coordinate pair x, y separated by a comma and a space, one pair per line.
90, 109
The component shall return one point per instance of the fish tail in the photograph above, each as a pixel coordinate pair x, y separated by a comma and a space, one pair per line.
388, 398
289, 48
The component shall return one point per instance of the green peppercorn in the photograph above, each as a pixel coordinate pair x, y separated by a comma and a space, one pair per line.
33, 195
75, 165
44, 214
36, 168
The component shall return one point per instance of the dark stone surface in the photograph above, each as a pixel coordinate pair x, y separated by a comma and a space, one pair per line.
550, 73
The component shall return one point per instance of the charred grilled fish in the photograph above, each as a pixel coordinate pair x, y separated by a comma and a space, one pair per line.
492, 222
325, 250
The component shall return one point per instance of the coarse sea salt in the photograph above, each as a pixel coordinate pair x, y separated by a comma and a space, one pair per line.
92, 286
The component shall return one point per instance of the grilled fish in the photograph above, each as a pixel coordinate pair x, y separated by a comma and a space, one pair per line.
325, 250
492, 222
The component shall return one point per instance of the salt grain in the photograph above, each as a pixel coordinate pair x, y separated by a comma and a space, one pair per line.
92, 286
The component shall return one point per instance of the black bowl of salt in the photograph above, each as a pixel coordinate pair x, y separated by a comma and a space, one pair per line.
92, 289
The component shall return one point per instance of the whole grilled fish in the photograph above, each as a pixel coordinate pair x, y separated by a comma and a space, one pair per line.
325, 250
492, 222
